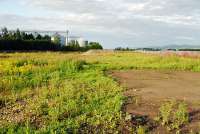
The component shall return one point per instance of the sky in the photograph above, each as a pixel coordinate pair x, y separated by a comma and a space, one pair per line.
113, 23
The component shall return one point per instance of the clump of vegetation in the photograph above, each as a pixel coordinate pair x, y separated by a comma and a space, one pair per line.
174, 114
166, 111
141, 130
137, 100
180, 116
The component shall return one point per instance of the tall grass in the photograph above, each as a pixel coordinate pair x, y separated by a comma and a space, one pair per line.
130, 60
65, 96
69, 92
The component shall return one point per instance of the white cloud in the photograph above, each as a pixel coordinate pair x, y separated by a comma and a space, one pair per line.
185, 38
137, 7
172, 19
137, 21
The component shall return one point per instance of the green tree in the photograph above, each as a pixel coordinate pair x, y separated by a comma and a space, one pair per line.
23, 35
30, 37
46, 37
95, 45
5, 33
39, 37
56, 40
18, 35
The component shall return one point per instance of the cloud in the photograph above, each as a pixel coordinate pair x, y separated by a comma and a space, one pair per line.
168, 11
172, 19
185, 38
137, 22
137, 6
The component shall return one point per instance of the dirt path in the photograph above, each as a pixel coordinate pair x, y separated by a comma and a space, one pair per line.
147, 89
153, 85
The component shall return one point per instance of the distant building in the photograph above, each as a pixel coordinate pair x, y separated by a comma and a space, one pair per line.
79, 40
64, 41
57, 37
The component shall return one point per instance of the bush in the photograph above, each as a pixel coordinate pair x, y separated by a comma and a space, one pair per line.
94, 45
165, 112
180, 116
141, 130
174, 114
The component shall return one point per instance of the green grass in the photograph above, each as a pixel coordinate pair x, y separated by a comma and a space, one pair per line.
70, 92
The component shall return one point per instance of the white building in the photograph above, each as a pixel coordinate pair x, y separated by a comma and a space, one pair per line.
64, 41
80, 40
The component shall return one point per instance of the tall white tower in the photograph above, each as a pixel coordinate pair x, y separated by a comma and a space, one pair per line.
67, 37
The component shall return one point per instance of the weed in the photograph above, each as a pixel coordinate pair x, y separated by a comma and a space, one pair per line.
137, 100
180, 116
174, 115
44, 108
141, 130
128, 117
165, 112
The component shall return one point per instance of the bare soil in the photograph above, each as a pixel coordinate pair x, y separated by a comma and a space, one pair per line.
148, 89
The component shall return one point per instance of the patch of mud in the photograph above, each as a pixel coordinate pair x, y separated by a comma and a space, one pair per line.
161, 85
148, 89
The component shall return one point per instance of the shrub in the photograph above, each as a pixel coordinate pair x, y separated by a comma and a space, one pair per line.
94, 45
165, 112
174, 114
141, 130
180, 116
71, 66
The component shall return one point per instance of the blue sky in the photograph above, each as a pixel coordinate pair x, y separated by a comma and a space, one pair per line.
126, 23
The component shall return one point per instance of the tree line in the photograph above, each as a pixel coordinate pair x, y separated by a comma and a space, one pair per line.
18, 40
155, 49
18, 35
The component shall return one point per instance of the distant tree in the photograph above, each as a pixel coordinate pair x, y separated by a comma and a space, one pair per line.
5, 33
124, 49
30, 37
56, 40
10, 36
95, 45
18, 35
118, 48
38, 37
47, 37
23, 35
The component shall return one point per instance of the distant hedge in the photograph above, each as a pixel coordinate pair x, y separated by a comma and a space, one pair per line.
41, 45
192, 49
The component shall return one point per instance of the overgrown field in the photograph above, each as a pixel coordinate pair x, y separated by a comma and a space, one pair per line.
70, 92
